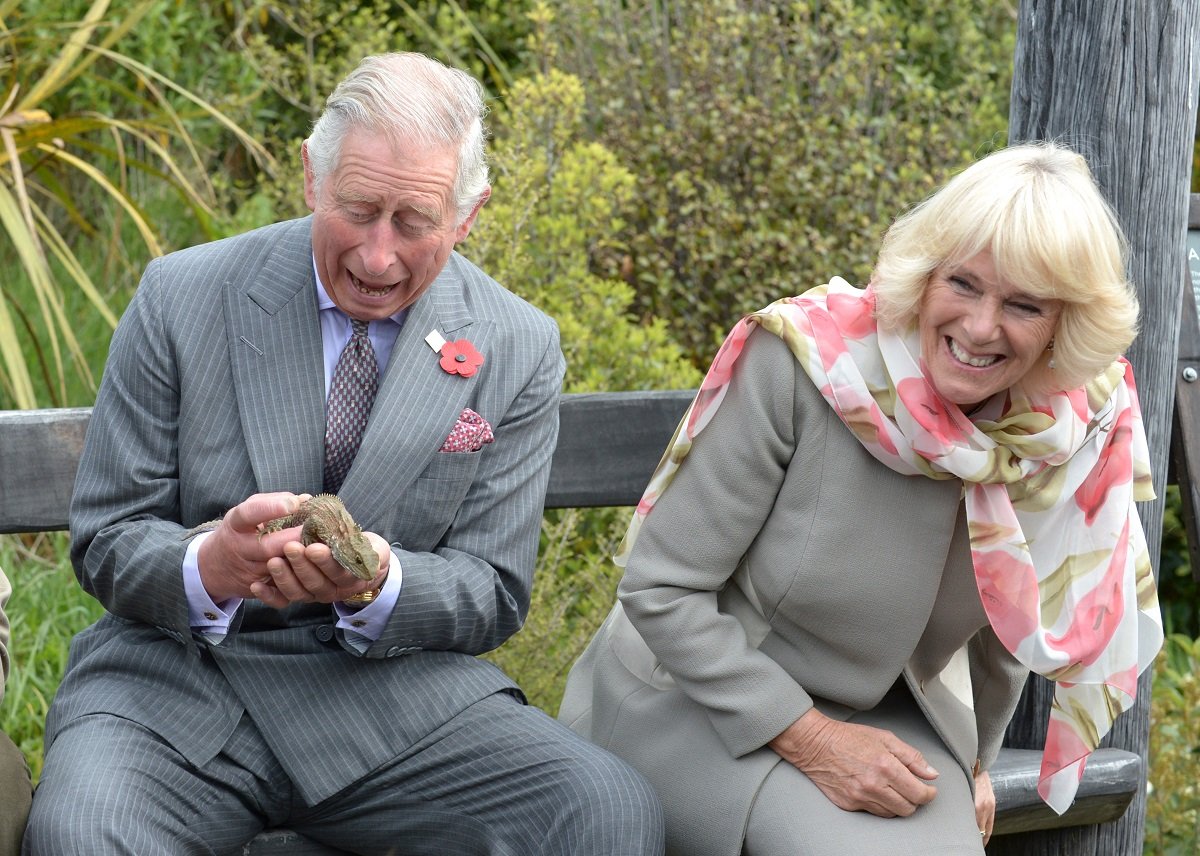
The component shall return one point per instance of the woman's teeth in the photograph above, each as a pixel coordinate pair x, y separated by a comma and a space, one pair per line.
963, 357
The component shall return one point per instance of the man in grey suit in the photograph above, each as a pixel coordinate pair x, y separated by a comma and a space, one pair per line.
241, 681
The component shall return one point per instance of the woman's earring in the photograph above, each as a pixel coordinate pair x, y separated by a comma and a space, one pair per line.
1050, 348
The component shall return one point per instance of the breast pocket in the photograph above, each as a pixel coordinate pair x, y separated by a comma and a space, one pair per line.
435, 496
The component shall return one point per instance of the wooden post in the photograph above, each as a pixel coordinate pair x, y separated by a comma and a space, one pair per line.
1117, 81
1185, 432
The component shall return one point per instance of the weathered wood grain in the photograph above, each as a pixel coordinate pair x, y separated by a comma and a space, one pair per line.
1110, 780
1117, 80
609, 445
39, 453
1185, 429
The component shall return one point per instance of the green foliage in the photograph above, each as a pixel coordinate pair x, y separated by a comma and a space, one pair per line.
300, 50
484, 37
575, 586
1178, 590
1173, 802
557, 198
774, 142
72, 175
46, 610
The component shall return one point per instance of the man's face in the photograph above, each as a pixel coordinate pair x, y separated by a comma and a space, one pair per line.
383, 223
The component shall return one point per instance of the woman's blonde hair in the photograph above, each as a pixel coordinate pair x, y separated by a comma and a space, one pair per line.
1051, 234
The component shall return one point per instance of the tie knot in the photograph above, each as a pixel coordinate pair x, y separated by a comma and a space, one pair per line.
358, 328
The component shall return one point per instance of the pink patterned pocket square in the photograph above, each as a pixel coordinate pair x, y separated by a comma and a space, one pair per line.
471, 433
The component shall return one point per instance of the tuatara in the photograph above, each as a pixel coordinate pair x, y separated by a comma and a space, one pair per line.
325, 520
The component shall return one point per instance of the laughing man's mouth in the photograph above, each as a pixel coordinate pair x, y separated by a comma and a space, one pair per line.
363, 288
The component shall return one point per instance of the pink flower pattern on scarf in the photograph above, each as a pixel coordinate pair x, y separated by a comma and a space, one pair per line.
1065, 579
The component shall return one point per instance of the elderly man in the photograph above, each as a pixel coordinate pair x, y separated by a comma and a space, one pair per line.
244, 679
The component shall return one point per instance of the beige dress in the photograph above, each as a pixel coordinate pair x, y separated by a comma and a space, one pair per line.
786, 568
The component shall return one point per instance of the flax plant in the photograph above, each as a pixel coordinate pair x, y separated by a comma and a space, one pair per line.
54, 166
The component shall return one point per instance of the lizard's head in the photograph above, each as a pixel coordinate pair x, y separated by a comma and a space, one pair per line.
357, 556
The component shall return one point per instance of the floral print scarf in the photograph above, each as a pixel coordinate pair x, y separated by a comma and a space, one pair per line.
1049, 482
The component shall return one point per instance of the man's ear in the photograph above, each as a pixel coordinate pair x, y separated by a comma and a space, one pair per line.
310, 183
464, 228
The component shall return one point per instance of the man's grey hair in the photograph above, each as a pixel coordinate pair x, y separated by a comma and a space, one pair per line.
409, 98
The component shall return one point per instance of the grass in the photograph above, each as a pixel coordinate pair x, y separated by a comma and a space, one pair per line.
47, 608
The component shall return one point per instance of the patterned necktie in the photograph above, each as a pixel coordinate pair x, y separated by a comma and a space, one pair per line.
351, 394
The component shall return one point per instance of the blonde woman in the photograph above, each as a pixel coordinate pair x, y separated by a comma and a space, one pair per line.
883, 509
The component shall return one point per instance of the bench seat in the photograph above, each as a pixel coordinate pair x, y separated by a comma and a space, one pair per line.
1110, 780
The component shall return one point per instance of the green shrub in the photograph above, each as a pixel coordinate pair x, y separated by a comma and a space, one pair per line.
93, 140
557, 201
773, 142
1173, 802
1178, 590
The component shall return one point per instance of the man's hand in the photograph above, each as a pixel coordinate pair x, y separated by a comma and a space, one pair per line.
233, 559
311, 574
858, 767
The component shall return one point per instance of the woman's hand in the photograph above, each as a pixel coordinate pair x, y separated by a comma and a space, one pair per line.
858, 767
985, 805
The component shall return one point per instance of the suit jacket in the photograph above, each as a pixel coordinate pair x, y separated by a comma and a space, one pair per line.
784, 568
213, 391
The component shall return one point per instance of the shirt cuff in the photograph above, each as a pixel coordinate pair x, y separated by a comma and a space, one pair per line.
207, 618
363, 626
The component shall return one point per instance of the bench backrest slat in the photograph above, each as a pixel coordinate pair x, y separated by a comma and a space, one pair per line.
39, 453
608, 446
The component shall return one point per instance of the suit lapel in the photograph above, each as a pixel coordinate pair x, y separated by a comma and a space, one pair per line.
418, 402
275, 348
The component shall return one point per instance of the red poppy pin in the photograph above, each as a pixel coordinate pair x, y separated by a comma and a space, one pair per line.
460, 357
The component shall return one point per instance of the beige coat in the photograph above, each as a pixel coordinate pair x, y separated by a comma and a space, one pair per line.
784, 568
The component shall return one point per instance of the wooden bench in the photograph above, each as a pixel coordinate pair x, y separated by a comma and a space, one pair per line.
608, 446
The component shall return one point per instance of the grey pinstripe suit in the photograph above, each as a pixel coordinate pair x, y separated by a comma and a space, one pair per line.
214, 391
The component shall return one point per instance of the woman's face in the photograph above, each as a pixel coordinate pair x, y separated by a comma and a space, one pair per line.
980, 334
